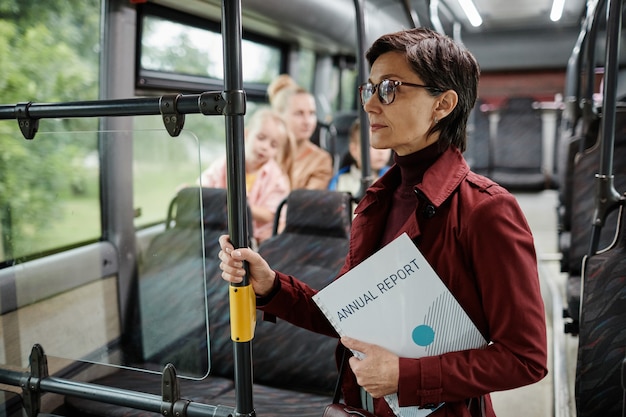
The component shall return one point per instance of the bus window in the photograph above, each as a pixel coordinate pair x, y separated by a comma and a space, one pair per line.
305, 68
50, 193
349, 98
48, 186
172, 47
178, 50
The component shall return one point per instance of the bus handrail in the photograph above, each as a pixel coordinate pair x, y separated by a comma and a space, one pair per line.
37, 381
607, 198
226, 103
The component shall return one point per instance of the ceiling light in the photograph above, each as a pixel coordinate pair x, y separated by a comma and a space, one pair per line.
472, 14
557, 10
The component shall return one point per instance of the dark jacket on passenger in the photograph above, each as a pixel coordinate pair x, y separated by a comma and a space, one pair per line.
474, 234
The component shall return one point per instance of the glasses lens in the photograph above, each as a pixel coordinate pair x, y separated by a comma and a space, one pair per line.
367, 90
386, 91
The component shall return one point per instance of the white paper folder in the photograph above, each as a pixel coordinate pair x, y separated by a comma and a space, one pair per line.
395, 299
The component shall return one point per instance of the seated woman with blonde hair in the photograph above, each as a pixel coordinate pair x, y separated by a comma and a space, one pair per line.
312, 165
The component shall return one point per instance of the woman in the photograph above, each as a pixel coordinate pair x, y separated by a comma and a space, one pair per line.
421, 89
312, 166
268, 147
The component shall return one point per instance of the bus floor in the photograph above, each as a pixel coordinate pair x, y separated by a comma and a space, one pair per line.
552, 396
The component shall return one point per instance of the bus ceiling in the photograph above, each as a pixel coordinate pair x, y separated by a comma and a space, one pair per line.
506, 39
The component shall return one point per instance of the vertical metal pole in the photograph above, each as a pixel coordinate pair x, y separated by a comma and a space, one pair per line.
606, 196
242, 308
587, 107
366, 175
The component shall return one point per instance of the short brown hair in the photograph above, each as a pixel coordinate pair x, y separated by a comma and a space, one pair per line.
442, 63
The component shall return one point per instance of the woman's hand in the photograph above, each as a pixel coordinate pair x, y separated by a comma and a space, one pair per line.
261, 275
378, 370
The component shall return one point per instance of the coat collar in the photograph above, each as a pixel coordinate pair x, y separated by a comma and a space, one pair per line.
440, 180
444, 176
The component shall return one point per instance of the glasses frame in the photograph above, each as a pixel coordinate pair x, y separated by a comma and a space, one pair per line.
394, 84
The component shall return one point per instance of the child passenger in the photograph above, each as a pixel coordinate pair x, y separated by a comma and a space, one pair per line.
349, 176
268, 149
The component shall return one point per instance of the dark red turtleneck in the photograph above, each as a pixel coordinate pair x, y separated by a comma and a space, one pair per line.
404, 202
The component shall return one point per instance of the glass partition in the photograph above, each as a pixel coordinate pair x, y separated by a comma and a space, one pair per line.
67, 298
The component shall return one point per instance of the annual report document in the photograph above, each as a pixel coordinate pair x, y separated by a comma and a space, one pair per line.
396, 300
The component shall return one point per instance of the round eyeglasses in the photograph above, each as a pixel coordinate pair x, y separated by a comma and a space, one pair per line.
386, 90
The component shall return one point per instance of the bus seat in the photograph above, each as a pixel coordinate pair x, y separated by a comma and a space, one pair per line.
569, 147
342, 122
517, 147
174, 264
316, 233
294, 369
325, 136
586, 166
601, 347
312, 247
477, 153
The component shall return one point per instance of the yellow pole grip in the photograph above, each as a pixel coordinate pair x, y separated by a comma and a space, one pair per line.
242, 313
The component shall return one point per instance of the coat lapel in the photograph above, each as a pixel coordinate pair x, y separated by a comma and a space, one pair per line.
440, 181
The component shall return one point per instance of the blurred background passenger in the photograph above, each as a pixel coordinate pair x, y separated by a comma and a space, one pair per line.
312, 166
267, 142
350, 174
281, 82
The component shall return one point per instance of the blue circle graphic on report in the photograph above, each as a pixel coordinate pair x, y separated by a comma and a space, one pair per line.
423, 335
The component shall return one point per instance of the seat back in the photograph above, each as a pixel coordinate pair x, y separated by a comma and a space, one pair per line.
320, 213
477, 153
312, 247
586, 166
325, 136
172, 281
601, 347
343, 122
517, 148
568, 147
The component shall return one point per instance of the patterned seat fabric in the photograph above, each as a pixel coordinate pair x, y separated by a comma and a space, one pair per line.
586, 166
312, 247
601, 346
517, 148
172, 281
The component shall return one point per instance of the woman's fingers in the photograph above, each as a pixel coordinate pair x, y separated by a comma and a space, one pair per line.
232, 269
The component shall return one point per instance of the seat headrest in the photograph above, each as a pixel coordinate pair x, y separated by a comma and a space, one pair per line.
519, 104
319, 212
214, 207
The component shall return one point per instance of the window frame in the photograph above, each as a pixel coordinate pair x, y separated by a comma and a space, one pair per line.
184, 83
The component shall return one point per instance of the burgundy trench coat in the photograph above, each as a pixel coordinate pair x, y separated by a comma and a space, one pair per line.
474, 234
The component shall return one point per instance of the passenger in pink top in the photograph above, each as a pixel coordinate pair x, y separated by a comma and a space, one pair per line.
267, 184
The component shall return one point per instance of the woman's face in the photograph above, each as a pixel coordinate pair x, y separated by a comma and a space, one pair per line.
301, 116
403, 124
